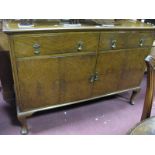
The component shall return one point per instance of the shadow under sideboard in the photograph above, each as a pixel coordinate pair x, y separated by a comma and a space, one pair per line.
6, 77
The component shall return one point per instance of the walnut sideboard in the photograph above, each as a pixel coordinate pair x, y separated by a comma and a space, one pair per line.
57, 65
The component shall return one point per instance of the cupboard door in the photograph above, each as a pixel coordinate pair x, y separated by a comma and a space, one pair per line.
38, 82
133, 68
49, 81
76, 71
109, 69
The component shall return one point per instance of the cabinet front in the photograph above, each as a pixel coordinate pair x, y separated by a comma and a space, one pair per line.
48, 81
70, 67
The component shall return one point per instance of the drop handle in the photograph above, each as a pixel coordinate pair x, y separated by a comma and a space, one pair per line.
80, 46
141, 42
113, 44
36, 47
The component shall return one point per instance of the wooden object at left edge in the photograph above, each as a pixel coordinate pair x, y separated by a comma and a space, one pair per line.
6, 77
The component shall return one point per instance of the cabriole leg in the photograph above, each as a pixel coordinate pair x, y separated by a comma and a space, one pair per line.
24, 127
22, 119
134, 94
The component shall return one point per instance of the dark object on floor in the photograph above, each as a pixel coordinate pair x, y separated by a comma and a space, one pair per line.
147, 126
6, 76
152, 21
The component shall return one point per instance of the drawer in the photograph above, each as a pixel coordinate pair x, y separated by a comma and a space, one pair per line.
125, 39
140, 39
55, 43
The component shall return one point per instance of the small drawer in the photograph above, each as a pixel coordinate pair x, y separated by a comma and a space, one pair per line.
55, 43
125, 39
139, 39
112, 40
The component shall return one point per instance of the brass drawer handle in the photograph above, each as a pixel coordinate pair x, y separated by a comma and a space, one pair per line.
80, 46
113, 44
36, 47
141, 42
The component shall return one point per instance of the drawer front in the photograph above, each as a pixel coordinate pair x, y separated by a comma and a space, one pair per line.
123, 39
140, 39
55, 43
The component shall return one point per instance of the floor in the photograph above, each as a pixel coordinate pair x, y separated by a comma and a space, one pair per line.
107, 116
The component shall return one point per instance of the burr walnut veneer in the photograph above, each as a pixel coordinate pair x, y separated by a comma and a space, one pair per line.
55, 65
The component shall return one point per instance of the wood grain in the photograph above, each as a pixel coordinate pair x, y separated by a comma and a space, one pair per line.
55, 43
60, 73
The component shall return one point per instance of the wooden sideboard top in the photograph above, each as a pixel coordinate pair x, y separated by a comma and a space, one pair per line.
12, 26
4, 44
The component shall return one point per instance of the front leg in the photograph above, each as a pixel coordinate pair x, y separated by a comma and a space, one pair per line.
24, 127
134, 94
23, 122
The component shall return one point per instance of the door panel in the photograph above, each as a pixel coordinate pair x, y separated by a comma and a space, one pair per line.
75, 75
109, 69
119, 70
55, 80
133, 68
39, 82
